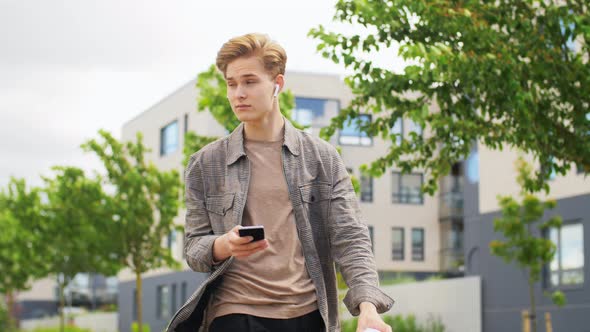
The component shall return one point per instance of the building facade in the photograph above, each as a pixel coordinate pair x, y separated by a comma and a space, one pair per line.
504, 286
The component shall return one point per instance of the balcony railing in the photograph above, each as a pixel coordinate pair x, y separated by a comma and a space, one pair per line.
451, 198
450, 205
452, 260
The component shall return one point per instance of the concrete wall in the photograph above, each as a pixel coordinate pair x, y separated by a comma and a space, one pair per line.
457, 302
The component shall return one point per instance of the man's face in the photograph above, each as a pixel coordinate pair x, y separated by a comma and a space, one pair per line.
249, 89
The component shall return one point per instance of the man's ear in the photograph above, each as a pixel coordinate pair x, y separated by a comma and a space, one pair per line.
280, 80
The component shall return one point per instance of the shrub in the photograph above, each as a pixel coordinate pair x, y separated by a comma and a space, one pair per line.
135, 327
400, 323
56, 329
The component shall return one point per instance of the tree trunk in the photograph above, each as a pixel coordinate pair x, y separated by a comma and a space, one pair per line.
138, 301
533, 315
92, 280
62, 305
12, 319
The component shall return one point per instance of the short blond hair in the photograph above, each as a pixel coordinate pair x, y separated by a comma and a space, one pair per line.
273, 56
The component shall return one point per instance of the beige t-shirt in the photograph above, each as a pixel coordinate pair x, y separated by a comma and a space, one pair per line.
274, 282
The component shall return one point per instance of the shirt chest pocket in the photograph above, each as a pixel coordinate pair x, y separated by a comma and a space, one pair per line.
316, 198
220, 208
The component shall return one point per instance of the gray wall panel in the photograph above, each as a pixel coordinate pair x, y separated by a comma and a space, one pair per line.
504, 286
193, 279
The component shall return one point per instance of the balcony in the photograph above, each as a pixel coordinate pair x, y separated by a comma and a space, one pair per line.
451, 199
450, 218
452, 261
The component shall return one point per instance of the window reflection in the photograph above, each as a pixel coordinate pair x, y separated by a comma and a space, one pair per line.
567, 266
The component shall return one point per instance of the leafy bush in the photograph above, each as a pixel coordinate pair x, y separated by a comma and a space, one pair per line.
135, 327
397, 279
108, 307
401, 324
56, 329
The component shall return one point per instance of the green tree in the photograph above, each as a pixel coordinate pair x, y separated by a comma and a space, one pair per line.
145, 202
502, 73
78, 229
522, 229
21, 256
212, 97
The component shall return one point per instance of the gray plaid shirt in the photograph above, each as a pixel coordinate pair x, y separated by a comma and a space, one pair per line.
327, 214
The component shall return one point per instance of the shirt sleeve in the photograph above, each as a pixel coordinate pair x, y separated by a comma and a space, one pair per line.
351, 244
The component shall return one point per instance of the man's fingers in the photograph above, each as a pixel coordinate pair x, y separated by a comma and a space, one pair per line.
249, 249
250, 246
241, 240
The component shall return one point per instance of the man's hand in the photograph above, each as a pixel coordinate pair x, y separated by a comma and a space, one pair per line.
231, 244
369, 318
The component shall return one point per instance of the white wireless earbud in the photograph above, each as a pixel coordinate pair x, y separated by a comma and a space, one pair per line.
276, 90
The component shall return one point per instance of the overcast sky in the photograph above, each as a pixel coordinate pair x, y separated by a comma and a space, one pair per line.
69, 68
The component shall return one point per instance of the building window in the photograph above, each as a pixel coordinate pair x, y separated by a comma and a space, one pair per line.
398, 130
397, 244
169, 138
580, 169
171, 238
350, 134
185, 123
472, 167
417, 244
183, 291
567, 266
163, 302
371, 235
307, 109
314, 112
173, 299
406, 188
366, 188
551, 171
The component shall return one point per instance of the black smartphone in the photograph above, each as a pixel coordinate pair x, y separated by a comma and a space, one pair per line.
257, 232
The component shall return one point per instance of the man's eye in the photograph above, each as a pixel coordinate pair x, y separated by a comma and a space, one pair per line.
250, 82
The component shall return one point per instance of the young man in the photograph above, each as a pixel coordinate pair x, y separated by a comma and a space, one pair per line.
268, 173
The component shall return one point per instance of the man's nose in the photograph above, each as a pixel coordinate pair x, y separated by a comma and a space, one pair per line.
240, 92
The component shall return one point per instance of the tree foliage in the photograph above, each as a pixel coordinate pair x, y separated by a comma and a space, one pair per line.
502, 73
145, 202
21, 259
523, 230
78, 229
79, 225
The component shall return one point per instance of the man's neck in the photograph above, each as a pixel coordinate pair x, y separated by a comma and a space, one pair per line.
268, 129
